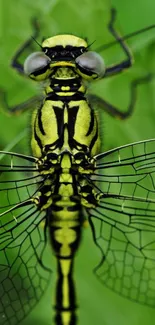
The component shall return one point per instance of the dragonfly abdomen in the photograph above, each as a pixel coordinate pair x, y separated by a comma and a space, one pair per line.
65, 238
65, 226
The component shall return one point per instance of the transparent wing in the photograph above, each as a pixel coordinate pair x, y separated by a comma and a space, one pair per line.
24, 275
123, 223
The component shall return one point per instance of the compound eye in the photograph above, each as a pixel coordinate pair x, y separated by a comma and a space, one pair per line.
35, 62
92, 62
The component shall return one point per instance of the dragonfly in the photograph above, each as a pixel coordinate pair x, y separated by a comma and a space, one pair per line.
47, 197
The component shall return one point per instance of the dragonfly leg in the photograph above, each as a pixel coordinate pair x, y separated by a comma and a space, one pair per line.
114, 111
19, 108
28, 45
125, 64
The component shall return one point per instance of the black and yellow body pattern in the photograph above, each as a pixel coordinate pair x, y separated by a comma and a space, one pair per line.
72, 181
65, 137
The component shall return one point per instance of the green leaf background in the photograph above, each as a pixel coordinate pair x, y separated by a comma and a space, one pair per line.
86, 18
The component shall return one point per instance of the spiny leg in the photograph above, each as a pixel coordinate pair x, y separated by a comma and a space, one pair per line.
31, 102
28, 45
114, 111
117, 68
19, 108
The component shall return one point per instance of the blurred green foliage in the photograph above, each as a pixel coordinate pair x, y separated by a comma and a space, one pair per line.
86, 18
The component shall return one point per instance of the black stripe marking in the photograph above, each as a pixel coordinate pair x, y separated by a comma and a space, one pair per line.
66, 53
58, 318
40, 71
65, 82
59, 114
74, 208
40, 121
36, 136
72, 114
67, 98
87, 72
91, 125
94, 140
69, 257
